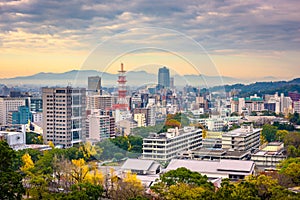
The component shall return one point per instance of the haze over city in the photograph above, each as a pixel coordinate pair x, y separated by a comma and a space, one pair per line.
241, 39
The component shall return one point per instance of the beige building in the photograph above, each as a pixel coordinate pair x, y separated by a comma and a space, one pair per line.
103, 102
7, 105
64, 115
101, 127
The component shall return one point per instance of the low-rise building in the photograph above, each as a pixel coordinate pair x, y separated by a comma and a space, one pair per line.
165, 146
15, 140
141, 166
232, 169
242, 139
270, 156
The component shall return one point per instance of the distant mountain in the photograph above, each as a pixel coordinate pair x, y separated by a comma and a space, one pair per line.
262, 88
134, 78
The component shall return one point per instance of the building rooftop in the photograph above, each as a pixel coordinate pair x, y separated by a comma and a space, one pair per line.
243, 131
172, 132
139, 164
241, 167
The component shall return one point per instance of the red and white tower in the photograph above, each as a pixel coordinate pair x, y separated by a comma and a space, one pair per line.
122, 91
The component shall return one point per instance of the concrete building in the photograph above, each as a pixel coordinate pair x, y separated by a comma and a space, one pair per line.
103, 102
166, 146
64, 115
269, 156
126, 125
297, 106
164, 77
7, 105
149, 114
279, 104
141, 166
94, 84
140, 119
35, 104
237, 105
245, 138
21, 116
232, 169
101, 127
15, 140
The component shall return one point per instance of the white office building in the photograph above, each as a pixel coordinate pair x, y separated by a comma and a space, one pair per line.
166, 146
242, 139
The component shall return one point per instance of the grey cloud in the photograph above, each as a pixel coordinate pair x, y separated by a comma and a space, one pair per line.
232, 24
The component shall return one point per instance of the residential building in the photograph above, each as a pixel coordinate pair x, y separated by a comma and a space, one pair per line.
103, 102
140, 119
245, 138
101, 127
64, 115
166, 146
149, 114
232, 169
164, 77
7, 105
237, 105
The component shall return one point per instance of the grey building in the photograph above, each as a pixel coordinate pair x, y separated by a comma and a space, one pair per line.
164, 77
94, 84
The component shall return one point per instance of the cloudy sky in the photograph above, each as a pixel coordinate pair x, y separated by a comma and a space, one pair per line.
242, 39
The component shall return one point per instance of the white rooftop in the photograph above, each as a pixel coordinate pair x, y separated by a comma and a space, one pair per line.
241, 167
138, 164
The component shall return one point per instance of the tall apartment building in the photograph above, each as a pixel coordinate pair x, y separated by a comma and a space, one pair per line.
245, 138
166, 146
101, 127
7, 105
64, 115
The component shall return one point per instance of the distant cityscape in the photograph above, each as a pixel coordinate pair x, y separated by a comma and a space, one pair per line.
204, 131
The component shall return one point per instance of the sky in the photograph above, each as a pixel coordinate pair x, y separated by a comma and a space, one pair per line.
241, 39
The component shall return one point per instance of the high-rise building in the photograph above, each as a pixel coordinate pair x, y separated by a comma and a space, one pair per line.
8, 105
64, 115
94, 84
164, 77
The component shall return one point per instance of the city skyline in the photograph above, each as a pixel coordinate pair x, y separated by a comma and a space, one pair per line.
238, 39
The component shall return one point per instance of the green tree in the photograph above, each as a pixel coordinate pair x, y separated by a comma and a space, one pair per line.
281, 134
269, 132
184, 176
10, 181
291, 168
